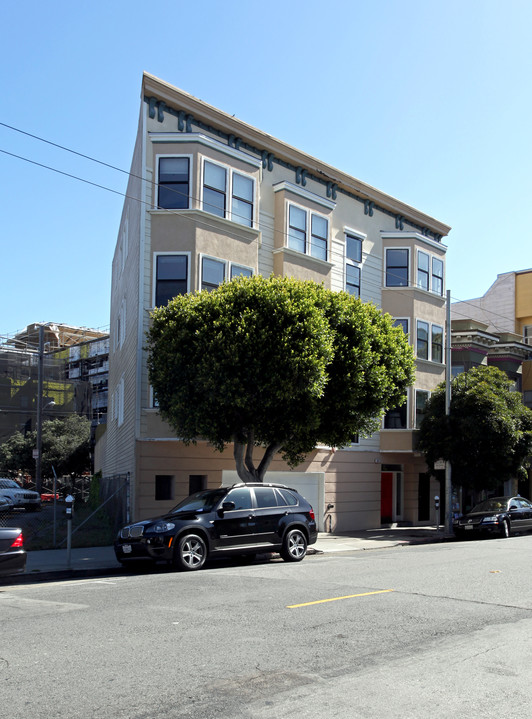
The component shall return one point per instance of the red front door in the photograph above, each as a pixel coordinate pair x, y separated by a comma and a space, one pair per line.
386, 497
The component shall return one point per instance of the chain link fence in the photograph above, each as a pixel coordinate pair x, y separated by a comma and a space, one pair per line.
101, 506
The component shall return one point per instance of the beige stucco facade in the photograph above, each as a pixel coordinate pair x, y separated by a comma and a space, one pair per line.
199, 237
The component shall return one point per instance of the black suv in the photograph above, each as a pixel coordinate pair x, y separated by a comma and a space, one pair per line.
240, 520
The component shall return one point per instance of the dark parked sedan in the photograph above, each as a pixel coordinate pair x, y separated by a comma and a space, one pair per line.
240, 520
499, 516
12, 554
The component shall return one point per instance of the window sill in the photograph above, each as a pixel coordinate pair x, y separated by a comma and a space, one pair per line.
289, 252
246, 233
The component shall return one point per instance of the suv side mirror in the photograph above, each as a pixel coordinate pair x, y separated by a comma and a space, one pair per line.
228, 506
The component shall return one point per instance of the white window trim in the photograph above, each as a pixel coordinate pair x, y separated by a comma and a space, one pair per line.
210, 142
309, 212
154, 271
229, 173
348, 260
190, 183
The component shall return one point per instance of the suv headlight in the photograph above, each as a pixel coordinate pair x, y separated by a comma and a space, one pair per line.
163, 527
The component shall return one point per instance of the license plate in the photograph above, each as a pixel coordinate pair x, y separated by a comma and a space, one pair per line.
468, 526
126, 548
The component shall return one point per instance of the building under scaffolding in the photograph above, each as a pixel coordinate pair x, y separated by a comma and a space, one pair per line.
74, 376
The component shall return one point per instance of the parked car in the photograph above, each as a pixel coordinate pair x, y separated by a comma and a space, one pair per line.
499, 516
12, 553
240, 520
31, 501
6, 505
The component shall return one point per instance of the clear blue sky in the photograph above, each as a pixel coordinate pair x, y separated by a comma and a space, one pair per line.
427, 100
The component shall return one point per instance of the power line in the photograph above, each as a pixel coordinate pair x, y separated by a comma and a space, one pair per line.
264, 226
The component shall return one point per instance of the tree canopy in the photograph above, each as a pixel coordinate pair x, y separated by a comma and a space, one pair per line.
488, 433
275, 362
65, 446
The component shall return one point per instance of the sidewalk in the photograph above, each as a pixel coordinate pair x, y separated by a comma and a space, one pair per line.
98, 561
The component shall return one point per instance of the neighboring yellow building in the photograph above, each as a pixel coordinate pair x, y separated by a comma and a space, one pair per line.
210, 197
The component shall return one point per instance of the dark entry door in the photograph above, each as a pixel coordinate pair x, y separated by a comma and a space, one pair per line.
386, 497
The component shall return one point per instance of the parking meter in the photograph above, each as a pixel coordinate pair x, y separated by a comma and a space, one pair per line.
69, 510
436, 502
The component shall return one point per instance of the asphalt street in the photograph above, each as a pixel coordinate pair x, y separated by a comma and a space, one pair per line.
397, 632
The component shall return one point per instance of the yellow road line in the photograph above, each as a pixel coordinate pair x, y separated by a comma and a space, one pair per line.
336, 599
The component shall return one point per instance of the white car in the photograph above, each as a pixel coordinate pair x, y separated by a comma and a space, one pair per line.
31, 501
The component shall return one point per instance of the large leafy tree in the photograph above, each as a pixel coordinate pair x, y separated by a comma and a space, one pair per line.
65, 446
487, 435
279, 363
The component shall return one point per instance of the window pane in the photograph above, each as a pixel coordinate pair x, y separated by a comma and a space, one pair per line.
421, 402
319, 226
353, 248
403, 324
214, 202
396, 268
172, 267
265, 497
396, 418
298, 218
243, 187
296, 240
241, 212
239, 271
318, 248
214, 176
352, 279
213, 272
241, 497
173, 169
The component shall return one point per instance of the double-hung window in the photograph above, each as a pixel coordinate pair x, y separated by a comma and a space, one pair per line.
422, 397
353, 258
429, 342
214, 189
174, 183
299, 223
396, 267
221, 183
423, 270
242, 200
297, 229
422, 340
437, 276
437, 344
171, 278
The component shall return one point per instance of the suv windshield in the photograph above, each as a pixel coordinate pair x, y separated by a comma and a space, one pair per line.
200, 502
8, 484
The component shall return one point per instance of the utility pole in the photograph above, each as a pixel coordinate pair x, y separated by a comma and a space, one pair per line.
448, 480
40, 372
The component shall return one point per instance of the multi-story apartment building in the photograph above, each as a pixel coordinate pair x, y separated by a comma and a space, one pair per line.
496, 329
210, 197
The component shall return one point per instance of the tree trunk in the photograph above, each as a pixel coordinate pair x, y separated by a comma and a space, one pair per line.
245, 467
